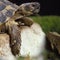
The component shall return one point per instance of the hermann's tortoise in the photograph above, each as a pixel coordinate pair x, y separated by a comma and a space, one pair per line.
12, 17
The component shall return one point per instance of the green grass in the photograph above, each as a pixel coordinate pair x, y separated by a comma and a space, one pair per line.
48, 23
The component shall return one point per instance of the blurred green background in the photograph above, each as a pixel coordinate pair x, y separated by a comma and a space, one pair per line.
48, 23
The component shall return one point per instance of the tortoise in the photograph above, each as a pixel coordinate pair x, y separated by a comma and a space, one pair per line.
12, 17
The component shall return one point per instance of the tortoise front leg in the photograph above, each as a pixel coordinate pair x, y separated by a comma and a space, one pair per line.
26, 21
15, 39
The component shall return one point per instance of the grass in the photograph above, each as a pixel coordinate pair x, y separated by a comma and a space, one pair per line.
48, 23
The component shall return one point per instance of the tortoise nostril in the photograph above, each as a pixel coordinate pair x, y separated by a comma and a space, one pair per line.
38, 7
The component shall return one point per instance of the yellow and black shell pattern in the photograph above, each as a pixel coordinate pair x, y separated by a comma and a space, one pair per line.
7, 10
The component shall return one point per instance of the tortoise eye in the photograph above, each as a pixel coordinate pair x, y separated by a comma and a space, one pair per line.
33, 5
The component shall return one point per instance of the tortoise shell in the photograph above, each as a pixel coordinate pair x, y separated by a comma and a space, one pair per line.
7, 10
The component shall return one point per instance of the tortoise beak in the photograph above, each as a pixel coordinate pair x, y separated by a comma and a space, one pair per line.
36, 6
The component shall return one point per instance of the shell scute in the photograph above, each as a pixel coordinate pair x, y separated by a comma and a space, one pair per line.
9, 13
2, 6
7, 10
2, 17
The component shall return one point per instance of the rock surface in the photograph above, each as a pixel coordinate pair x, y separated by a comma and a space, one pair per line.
33, 43
54, 38
5, 51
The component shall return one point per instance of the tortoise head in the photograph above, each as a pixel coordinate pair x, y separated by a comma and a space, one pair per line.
29, 8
